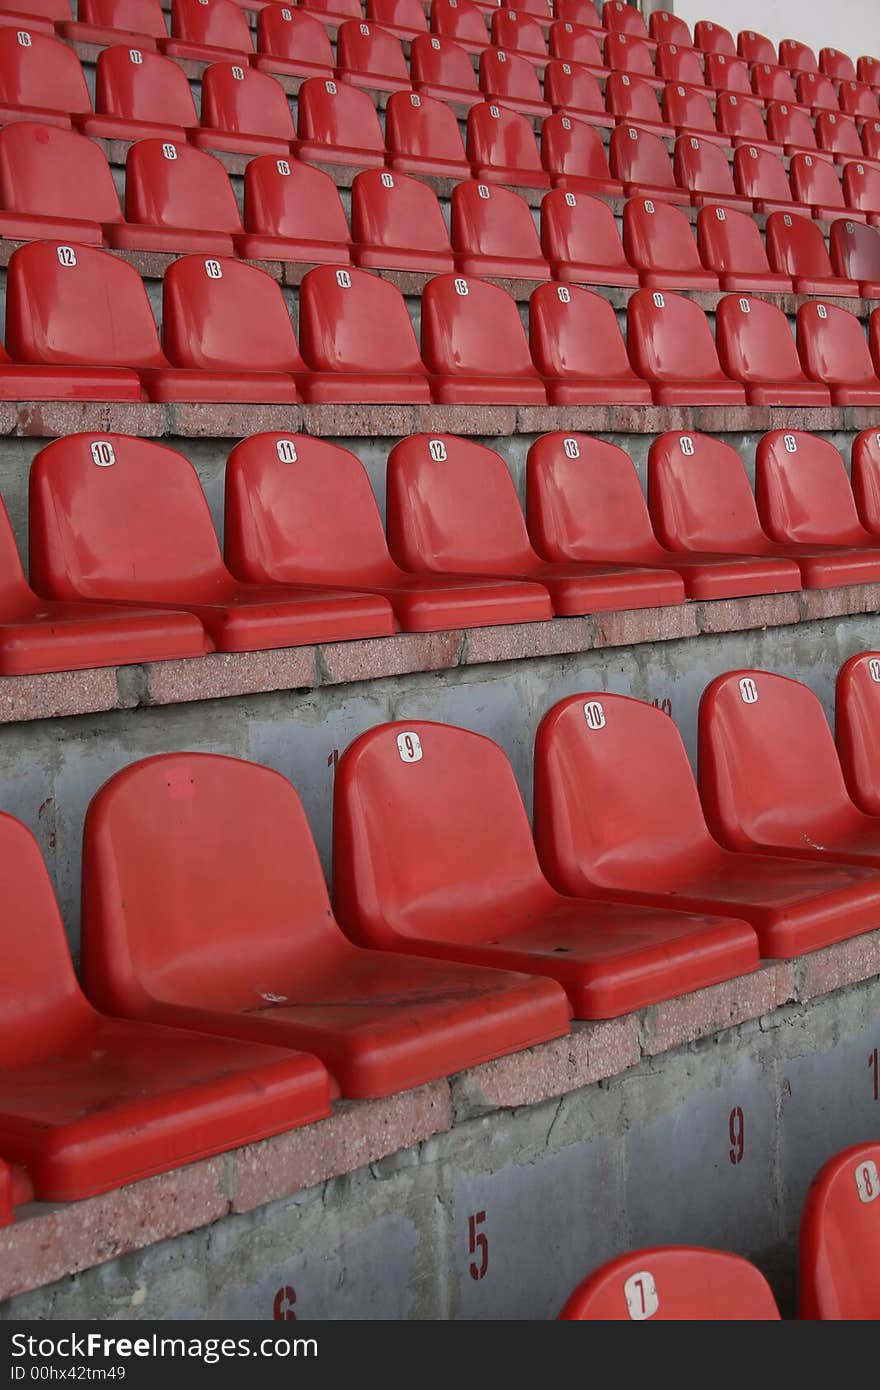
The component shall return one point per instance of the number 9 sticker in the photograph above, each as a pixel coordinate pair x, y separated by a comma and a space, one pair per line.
409, 747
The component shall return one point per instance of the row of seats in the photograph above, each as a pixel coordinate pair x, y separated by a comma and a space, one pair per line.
79, 326
307, 559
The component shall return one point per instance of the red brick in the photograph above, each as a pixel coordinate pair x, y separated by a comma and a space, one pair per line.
806, 417
341, 419
645, 625
832, 603
410, 282
231, 421
540, 419
57, 693
678, 1021
835, 967
372, 658
731, 419
52, 419
485, 420
517, 641
233, 162
225, 674
757, 610
150, 265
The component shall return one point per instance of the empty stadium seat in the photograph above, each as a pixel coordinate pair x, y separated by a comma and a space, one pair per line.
756, 347
665, 27
728, 74
473, 890
177, 199
381, 1022
640, 160
714, 38
369, 56
54, 183
837, 65
700, 499
659, 243
405, 18
518, 33
815, 182
855, 255
755, 48
633, 56
773, 83
730, 244
740, 119
857, 704
356, 336
337, 124
838, 135
37, 634
770, 778
116, 21
502, 148
839, 1262
797, 56
334, 12
617, 812
679, 65
861, 189
577, 346
818, 93
510, 78
796, 247
139, 95
584, 502
790, 126
673, 1283
464, 323
292, 43
493, 233
139, 532
703, 168
422, 137
620, 18
632, 99
441, 68
572, 89
81, 319
293, 212
865, 459
318, 522
670, 345
89, 1102
857, 99
462, 515
833, 348
578, 12
579, 238
868, 70
576, 44
396, 224
209, 31
461, 21
40, 80
688, 110
760, 175
244, 111
42, 15
573, 153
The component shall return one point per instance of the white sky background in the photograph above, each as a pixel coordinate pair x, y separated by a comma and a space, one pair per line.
853, 26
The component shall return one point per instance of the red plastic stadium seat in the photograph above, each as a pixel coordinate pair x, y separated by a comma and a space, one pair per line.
621, 18
292, 212
381, 1022
640, 160
227, 333
337, 124
866, 472
318, 523
40, 79
464, 324
54, 183
857, 99
117, 21
755, 48
570, 88
585, 502
397, 224
578, 12
868, 70
659, 243
405, 18
772, 83
688, 110
502, 148
292, 43
140, 533
519, 33
818, 93
790, 126
665, 27
510, 78
760, 175
797, 248
838, 135
334, 12
700, 498
833, 349
839, 1265
245, 111
836, 65
493, 233
631, 55
577, 345
473, 889
756, 347
7, 1205
671, 346
580, 240
177, 199
816, 183
855, 255
37, 634
574, 155
728, 74
463, 516
422, 136
770, 778
703, 168
714, 38
81, 320
861, 189
730, 244
673, 1283
210, 31
575, 43
740, 119
797, 56
139, 94
42, 15
617, 812
357, 338
633, 100
441, 68
369, 56
462, 21
679, 65
857, 704
89, 1102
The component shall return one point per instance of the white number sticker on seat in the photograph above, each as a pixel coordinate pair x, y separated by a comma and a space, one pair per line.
365, 30
874, 669
214, 270
632, 132
494, 113
501, 55
24, 38
286, 450
563, 295
283, 167
790, 443
483, 191
387, 180
821, 311
571, 448
435, 44
786, 217
720, 215
461, 287
745, 306
409, 747
570, 200
437, 450
695, 144
102, 453
66, 255
640, 1293
238, 74
594, 715
686, 444
135, 56
169, 151
867, 1180
331, 88
659, 300
343, 279
566, 123
748, 691
415, 100
625, 80
649, 206
286, 15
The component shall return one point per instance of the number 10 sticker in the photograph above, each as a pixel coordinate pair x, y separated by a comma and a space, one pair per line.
409, 747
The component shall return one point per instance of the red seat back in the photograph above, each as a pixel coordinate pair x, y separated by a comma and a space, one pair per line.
176, 185
146, 87
855, 250
680, 65
861, 187
211, 23
423, 127
803, 490
245, 100
621, 18
865, 461
492, 221
832, 346
55, 173
640, 157
730, 242
840, 1239
623, 53
815, 90
797, 56
582, 231
665, 27
658, 236
699, 495
220, 314
674, 1283
508, 76
402, 14
755, 48
796, 246
350, 321
289, 32
335, 113
773, 83
755, 343
575, 333
790, 125
519, 32
368, 49
857, 728
463, 323
284, 197
460, 20
838, 134
669, 339
501, 138
397, 211
440, 62
575, 43
739, 118
728, 74
760, 174
571, 87
858, 99
629, 97
573, 148
687, 109
129, 16
714, 38
702, 166
815, 181
39, 71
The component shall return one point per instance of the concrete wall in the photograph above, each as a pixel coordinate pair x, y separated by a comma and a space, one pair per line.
648, 1157
852, 26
